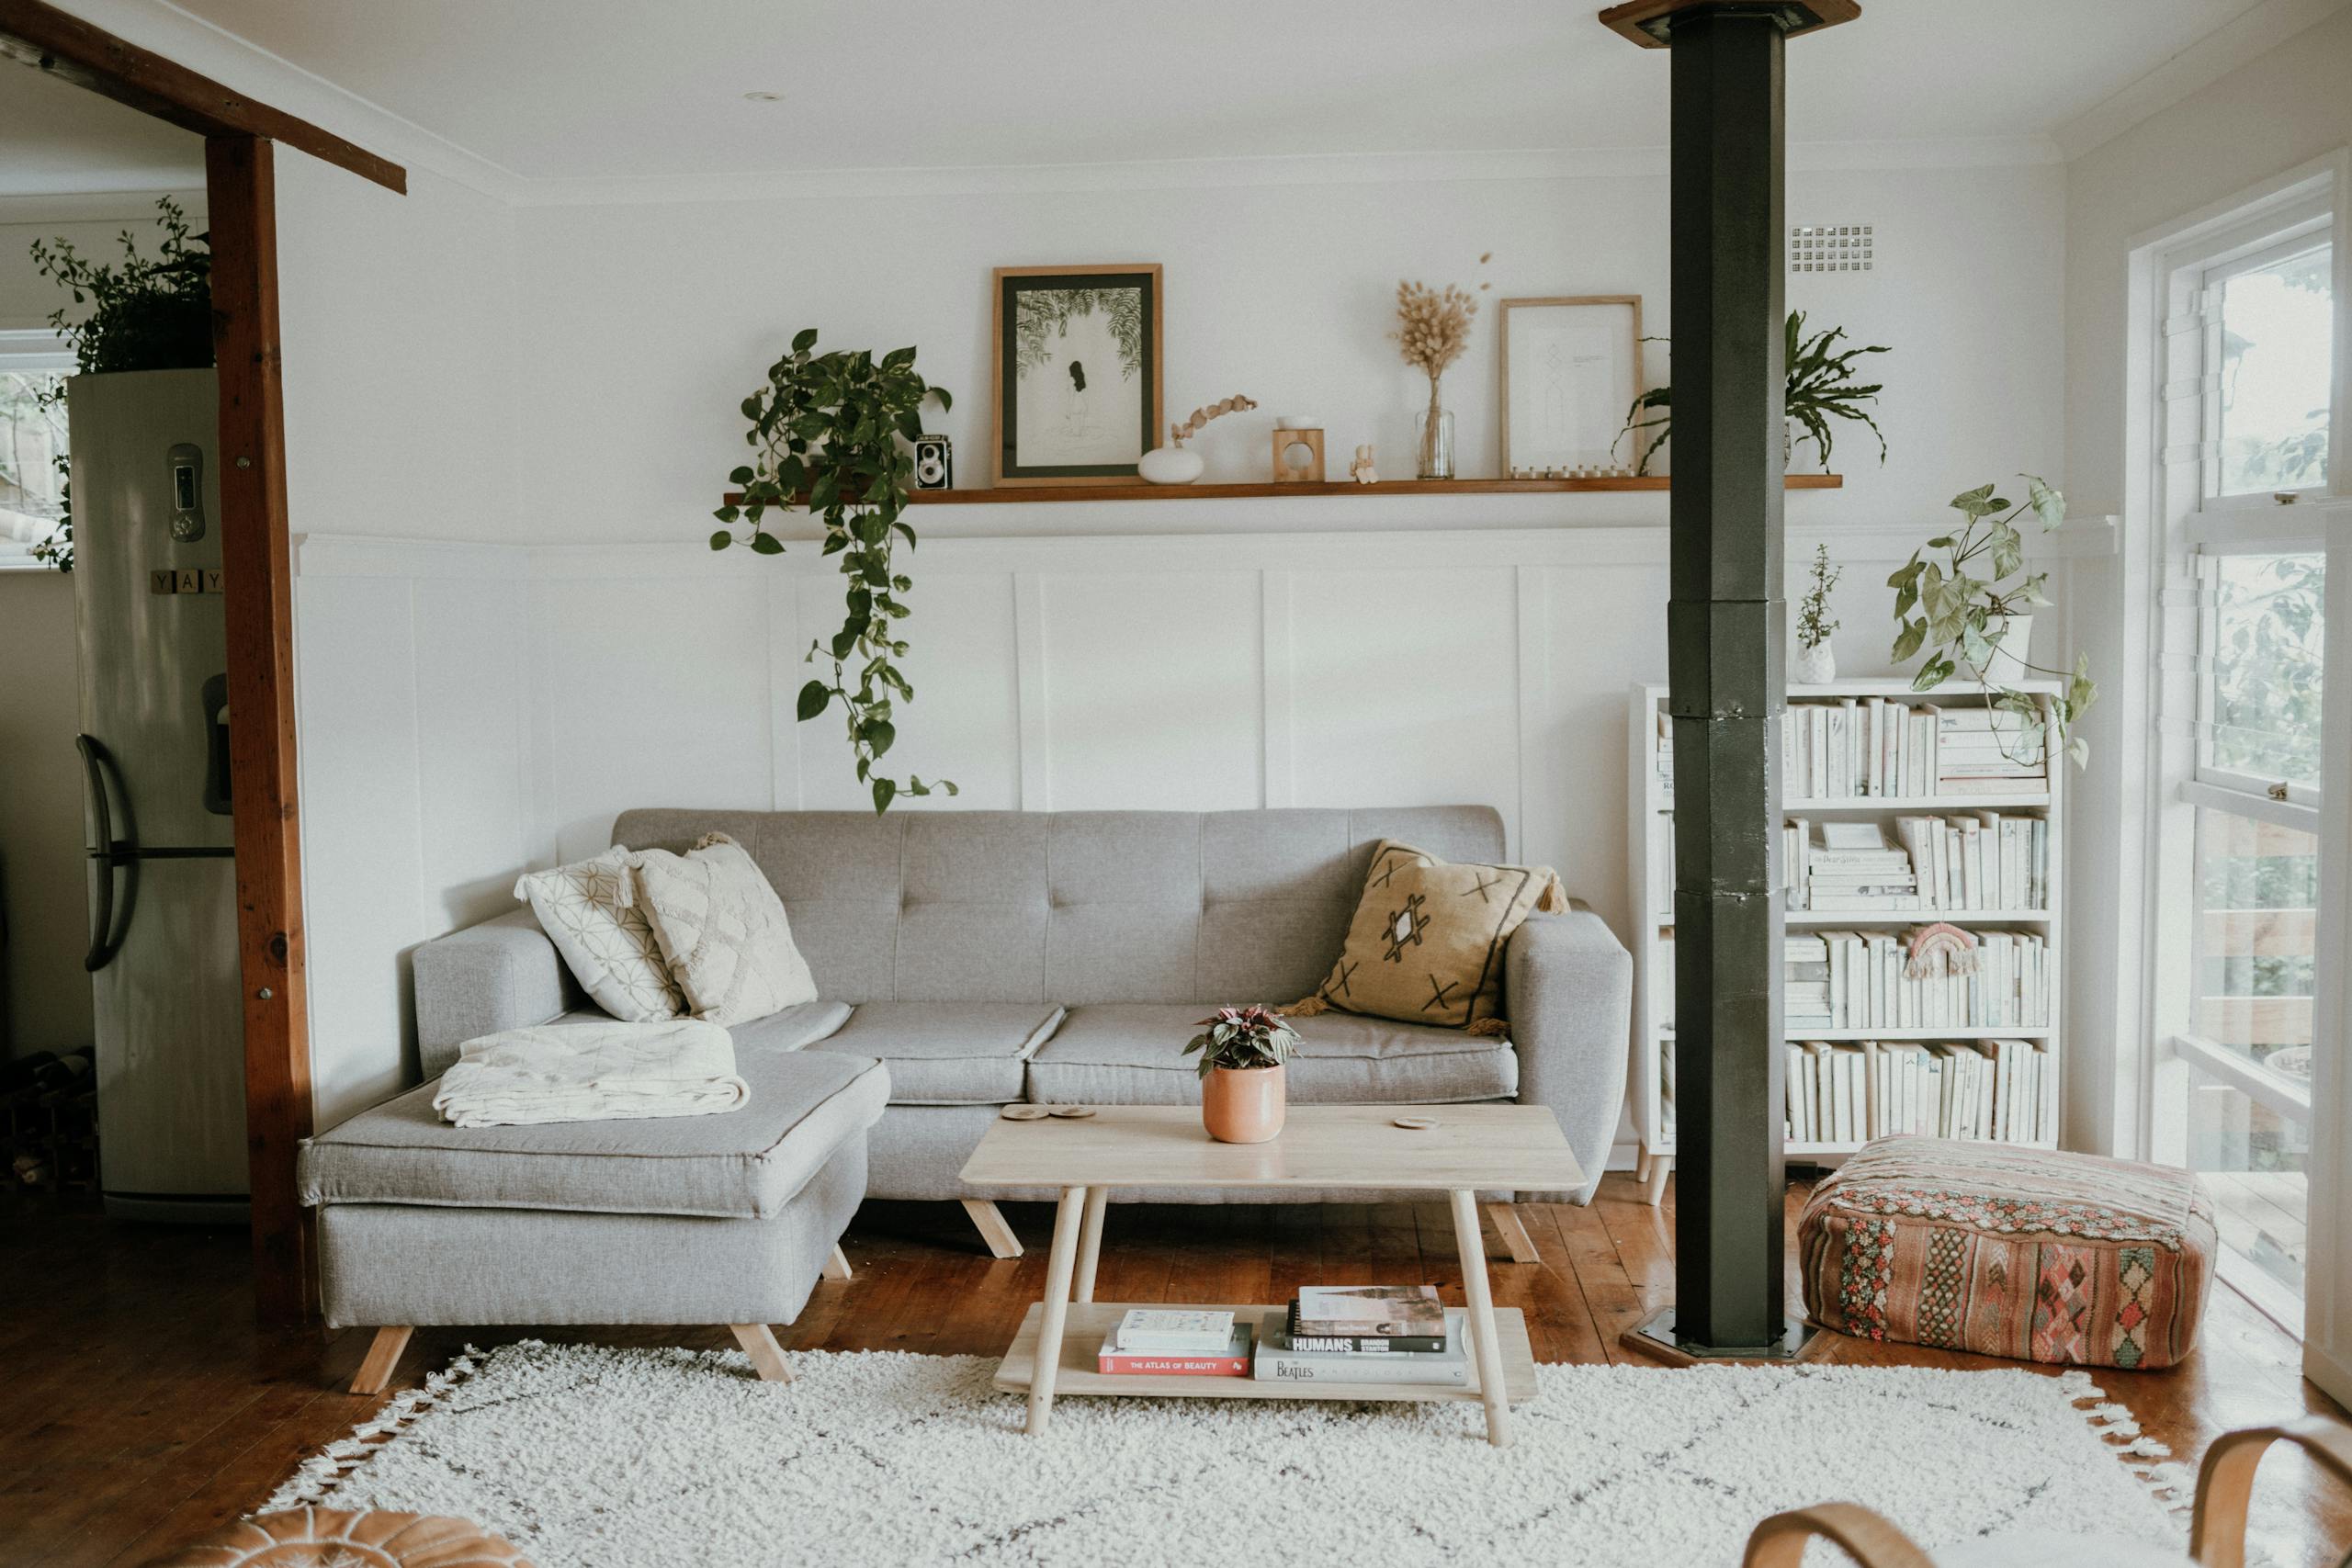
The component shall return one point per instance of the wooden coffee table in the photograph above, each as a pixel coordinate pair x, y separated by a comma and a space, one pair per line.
1471, 1148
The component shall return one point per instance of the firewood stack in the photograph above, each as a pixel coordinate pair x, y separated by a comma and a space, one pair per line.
49, 1120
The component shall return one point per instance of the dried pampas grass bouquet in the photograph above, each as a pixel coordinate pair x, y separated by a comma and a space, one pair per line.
1432, 332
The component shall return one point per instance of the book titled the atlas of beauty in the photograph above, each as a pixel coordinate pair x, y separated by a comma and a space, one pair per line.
1368, 1318
1231, 1360
1277, 1361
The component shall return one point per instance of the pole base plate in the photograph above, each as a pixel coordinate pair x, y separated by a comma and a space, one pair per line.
1657, 1339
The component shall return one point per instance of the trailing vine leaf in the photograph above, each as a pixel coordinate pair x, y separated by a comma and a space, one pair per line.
1956, 609
825, 432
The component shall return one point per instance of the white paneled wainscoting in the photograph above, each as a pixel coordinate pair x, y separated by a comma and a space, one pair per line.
470, 711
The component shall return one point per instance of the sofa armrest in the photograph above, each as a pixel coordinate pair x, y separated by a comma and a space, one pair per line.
1568, 990
503, 974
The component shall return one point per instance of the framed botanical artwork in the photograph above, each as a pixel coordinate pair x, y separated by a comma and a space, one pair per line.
1571, 367
1078, 385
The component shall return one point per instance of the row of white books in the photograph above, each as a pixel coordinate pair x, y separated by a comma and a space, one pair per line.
1987, 860
1993, 1090
1931, 978
1870, 746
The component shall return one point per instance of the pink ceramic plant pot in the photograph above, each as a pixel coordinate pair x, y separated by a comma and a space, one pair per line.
1243, 1105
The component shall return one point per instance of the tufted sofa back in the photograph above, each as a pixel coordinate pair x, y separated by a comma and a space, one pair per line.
1070, 906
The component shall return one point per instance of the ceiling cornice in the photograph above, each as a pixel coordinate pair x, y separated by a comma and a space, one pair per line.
2246, 37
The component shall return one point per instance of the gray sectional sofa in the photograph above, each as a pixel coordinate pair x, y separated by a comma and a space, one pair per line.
992, 957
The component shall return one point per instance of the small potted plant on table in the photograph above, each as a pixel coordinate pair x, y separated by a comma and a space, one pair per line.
1242, 1052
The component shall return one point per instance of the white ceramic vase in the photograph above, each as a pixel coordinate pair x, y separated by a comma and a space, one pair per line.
1815, 666
1171, 466
2006, 667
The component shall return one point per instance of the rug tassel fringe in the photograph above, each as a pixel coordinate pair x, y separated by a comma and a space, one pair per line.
2150, 1461
316, 1476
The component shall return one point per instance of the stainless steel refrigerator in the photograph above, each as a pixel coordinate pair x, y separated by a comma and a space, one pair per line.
162, 956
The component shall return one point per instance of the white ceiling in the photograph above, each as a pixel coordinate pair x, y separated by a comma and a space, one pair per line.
581, 89
57, 138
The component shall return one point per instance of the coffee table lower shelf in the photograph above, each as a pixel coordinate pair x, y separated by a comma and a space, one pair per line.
1089, 1321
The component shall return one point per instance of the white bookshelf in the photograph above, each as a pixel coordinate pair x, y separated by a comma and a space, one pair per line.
1651, 802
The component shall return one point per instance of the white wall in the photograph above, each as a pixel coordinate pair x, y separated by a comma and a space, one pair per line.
43, 881
579, 637
2284, 108
396, 314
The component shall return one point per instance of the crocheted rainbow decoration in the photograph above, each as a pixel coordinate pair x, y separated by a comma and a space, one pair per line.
1955, 947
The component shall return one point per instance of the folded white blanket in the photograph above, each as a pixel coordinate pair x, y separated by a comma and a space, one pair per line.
592, 1072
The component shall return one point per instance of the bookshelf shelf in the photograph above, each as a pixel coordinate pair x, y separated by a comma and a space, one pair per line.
1651, 807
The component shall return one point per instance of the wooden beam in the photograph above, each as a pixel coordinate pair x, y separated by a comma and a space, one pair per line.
256, 561
1650, 23
67, 47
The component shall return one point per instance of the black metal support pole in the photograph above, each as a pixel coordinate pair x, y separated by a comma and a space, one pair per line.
1724, 618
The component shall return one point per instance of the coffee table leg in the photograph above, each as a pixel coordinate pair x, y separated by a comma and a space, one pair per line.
1484, 1342
1090, 1241
1048, 1363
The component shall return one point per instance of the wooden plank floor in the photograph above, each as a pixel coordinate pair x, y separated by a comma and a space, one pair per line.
140, 1408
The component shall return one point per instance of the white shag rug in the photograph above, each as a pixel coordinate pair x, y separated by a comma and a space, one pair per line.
592, 1458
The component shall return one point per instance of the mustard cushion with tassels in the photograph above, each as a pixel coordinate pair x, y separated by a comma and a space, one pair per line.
1426, 945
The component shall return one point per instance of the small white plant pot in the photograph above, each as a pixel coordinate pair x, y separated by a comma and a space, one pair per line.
1815, 666
1171, 466
2006, 667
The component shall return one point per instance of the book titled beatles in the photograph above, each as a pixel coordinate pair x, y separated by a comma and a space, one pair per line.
1367, 1318
1231, 1360
1277, 1361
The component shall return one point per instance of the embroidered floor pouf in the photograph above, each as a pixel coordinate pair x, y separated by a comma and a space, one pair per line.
2010, 1251
327, 1538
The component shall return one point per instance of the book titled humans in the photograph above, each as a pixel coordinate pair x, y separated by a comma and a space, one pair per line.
1277, 1361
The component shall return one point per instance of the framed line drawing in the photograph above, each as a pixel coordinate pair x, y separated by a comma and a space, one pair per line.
1077, 373
1571, 367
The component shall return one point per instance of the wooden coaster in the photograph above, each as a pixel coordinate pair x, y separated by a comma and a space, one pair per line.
1024, 1114
1071, 1112
1415, 1123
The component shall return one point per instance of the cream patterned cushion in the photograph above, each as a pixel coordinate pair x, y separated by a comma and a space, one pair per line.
585, 909
723, 930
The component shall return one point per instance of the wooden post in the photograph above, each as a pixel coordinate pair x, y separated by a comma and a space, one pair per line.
257, 562
1725, 631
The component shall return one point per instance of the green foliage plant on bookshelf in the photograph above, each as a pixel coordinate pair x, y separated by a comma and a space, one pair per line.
1821, 385
827, 431
1957, 618
1814, 624
145, 314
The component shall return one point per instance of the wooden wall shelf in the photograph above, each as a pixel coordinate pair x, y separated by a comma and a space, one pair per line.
1018, 493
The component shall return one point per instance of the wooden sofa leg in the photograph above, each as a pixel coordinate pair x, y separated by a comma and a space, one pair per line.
1661, 1167
993, 1230
1513, 1230
383, 1354
837, 1266
767, 1357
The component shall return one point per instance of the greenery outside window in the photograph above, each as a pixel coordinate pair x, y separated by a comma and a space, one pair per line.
32, 442
2270, 359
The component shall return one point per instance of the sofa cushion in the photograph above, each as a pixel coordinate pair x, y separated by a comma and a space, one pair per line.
749, 1163
723, 931
948, 1052
1427, 940
1130, 1054
587, 911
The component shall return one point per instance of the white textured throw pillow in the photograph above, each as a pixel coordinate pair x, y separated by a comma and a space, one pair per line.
586, 908
724, 931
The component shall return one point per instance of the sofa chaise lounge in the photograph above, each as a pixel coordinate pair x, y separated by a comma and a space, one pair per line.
989, 958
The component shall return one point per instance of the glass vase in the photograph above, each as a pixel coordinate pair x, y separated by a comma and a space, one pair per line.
1437, 444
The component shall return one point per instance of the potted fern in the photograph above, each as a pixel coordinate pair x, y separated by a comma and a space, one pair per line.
1821, 386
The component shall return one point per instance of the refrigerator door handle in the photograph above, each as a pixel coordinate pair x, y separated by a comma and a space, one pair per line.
110, 926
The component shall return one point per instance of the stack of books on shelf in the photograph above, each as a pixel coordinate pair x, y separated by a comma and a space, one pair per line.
1363, 1334
1881, 979
1665, 752
1181, 1342
1872, 746
1845, 865
1986, 860
1804, 981
1991, 1090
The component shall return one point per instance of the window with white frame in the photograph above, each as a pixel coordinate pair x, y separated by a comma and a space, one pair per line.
2247, 407
33, 367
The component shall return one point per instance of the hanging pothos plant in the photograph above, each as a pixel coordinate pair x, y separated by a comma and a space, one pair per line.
826, 428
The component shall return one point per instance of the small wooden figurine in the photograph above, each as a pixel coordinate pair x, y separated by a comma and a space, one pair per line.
1361, 471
